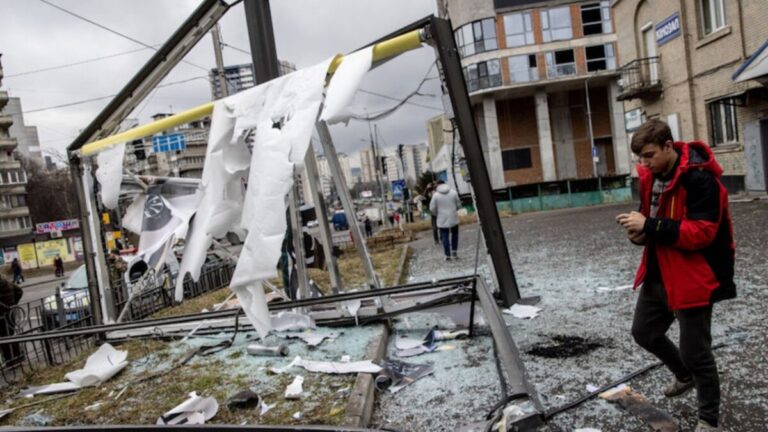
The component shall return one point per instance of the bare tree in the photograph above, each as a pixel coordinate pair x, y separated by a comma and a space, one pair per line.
51, 195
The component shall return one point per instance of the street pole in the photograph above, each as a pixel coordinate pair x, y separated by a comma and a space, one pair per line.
216, 36
589, 128
377, 169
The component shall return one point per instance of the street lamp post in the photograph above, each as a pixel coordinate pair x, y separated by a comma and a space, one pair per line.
589, 128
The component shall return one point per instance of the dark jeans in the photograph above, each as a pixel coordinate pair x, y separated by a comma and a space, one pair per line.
434, 229
453, 244
694, 359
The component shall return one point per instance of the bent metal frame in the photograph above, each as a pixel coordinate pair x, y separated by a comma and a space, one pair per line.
431, 30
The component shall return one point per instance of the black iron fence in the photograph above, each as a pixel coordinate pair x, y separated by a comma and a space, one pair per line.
67, 309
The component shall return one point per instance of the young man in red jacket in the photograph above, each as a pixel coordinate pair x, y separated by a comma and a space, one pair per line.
687, 264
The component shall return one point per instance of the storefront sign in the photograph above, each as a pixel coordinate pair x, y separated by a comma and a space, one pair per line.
62, 225
668, 29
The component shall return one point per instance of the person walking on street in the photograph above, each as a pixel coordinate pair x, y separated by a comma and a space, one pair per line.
429, 192
18, 277
688, 262
443, 206
368, 227
58, 265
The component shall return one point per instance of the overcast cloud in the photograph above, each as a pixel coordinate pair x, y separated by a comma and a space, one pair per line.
34, 35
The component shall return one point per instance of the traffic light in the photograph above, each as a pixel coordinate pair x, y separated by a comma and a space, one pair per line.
383, 162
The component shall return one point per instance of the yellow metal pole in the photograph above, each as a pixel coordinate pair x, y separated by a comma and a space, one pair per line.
381, 51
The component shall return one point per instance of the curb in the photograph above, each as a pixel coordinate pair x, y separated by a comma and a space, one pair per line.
401, 265
360, 405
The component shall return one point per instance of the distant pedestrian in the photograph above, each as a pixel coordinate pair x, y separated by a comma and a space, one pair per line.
685, 226
444, 205
58, 265
18, 277
429, 192
368, 227
396, 218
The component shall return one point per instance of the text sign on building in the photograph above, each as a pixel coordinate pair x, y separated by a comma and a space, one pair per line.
397, 188
633, 119
668, 29
62, 225
170, 142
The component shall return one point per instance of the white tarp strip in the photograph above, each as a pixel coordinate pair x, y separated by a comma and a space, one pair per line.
102, 365
110, 174
195, 410
294, 390
344, 84
365, 366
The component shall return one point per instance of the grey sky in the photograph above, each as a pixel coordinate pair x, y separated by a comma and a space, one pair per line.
34, 35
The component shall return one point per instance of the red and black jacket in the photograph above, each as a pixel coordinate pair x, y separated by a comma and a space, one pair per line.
692, 233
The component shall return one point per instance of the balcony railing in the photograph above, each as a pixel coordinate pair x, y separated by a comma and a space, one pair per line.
640, 78
8, 143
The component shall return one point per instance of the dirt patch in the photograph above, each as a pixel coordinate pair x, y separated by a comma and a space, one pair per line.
562, 346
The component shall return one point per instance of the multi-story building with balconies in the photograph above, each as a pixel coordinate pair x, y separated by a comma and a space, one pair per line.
701, 66
541, 78
14, 213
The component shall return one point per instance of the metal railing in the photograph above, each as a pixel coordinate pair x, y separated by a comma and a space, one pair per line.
66, 310
639, 78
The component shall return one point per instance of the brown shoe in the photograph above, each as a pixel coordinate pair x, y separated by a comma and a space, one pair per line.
678, 388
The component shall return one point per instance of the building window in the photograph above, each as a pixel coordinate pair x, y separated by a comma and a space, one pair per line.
560, 63
600, 57
556, 24
516, 159
596, 18
722, 115
482, 75
476, 37
519, 29
523, 68
712, 15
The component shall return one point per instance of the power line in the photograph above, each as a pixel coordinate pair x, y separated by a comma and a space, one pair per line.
84, 101
51, 68
111, 30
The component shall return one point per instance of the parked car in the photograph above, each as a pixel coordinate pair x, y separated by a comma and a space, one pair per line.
74, 300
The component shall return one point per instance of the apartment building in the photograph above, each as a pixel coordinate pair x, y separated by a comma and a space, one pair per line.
541, 78
698, 64
14, 213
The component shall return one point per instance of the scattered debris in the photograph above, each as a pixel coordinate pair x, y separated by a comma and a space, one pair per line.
522, 311
409, 347
639, 406
7, 411
618, 288
365, 366
195, 410
396, 374
102, 365
64, 387
264, 350
294, 389
36, 419
244, 399
296, 415
265, 407
285, 321
564, 347
311, 338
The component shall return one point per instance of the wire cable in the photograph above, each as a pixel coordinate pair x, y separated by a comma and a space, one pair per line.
77, 63
103, 27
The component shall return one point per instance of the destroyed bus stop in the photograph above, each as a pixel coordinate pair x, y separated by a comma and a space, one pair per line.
521, 409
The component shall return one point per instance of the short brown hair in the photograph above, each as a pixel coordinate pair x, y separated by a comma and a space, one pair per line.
654, 131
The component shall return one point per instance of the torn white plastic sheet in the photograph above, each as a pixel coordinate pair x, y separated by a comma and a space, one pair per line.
403, 343
522, 311
311, 338
167, 210
365, 366
102, 365
294, 389
288, 321
344, 84
351, 307
110, 174
274, 121
63, 387
195, 410
396, 374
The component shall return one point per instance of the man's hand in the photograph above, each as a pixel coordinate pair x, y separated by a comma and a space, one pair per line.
638, 239
632, 222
